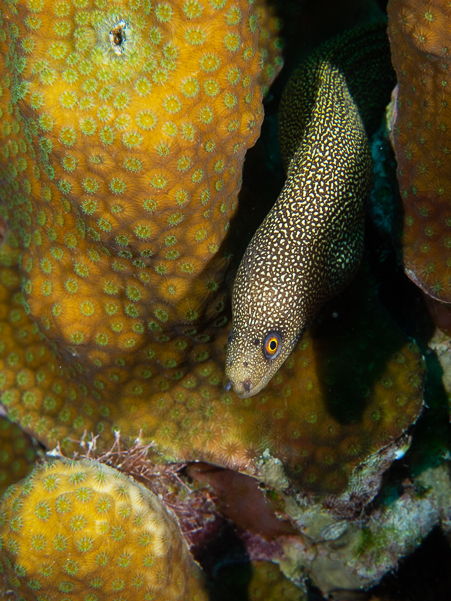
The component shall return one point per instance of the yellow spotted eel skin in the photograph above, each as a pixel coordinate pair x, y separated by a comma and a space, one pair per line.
309, 246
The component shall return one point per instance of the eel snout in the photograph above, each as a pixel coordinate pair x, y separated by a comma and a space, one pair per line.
252, 360
244, 388
240, 372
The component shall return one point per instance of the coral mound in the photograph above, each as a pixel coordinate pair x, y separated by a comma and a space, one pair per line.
83, 530
419, 36
114, 298
124, 128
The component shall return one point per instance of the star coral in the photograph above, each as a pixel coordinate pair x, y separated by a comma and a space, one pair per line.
366, 402
119, 186
135, 140
270, 42
94, 534
99, 335
354, 384
419, 36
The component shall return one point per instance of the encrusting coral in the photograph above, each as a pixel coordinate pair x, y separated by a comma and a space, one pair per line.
81, 529
342, 554
114, 299
419, 36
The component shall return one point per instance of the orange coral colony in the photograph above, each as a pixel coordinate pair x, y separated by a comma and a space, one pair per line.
419, 36
123, 129
137, 119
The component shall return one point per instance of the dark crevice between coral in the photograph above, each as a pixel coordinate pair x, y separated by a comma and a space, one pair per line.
405, 303
423, 576
224, 551
430, 442
338, 326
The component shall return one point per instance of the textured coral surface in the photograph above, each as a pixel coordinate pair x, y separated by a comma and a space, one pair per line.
420, 42
123, 131
114, 291
349, 389
82, 530
129, 158
270, 42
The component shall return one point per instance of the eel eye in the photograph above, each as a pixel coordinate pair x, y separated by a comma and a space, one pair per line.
271, 345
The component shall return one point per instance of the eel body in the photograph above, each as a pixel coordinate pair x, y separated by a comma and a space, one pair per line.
310, 245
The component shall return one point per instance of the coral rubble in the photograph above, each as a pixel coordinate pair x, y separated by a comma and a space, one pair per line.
345, 554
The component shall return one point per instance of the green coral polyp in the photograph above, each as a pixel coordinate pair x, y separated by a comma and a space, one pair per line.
109, 499
70, 497
91, 332
89, 206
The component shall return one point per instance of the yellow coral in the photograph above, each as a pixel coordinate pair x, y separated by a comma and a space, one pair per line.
270, 42
98, 334
348, 390
136, 120
84, 530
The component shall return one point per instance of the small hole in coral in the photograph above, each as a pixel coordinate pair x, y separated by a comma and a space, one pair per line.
117, 37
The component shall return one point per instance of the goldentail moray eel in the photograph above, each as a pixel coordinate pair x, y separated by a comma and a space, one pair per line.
310, 245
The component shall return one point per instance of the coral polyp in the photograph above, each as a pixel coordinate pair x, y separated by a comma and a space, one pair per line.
84, 530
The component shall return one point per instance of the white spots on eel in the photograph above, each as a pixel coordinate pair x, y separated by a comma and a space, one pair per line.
309, 246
